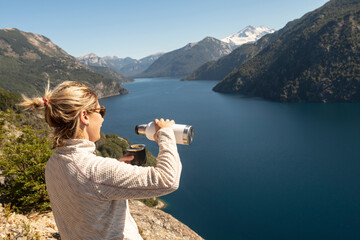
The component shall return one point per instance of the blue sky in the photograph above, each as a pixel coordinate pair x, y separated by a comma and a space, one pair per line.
138, 28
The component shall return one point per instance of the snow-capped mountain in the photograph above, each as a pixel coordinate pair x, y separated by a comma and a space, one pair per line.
247, 35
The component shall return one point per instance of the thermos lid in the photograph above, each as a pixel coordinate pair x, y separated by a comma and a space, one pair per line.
140, 129
188, 135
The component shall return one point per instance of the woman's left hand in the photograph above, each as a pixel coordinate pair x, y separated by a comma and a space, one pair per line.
126, 158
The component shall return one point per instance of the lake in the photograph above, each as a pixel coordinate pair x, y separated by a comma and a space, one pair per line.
256, 169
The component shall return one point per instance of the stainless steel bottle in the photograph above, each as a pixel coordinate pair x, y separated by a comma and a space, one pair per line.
184, 134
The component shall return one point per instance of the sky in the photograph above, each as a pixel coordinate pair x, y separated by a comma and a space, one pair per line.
139, 28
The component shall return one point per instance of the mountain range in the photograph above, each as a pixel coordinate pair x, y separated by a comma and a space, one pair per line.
127, 67
315, 58
29, 60
183, 61
179, 62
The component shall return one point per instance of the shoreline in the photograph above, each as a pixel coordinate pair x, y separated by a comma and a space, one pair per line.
161, 204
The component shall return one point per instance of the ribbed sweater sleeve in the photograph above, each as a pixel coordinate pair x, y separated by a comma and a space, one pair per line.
114, 180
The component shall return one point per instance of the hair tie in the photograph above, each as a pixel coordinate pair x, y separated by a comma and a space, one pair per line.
45, 101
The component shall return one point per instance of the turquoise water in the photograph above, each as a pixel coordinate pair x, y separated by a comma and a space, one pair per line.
256, 169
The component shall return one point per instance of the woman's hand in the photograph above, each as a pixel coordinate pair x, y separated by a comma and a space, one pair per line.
162, 124
126, 158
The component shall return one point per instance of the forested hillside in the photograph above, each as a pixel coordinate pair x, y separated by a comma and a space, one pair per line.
28, 61
316, 59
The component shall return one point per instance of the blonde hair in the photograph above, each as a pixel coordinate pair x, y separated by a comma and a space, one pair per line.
63, 106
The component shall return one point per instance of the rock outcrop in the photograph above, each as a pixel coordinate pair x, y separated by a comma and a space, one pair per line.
153, 224
156, 224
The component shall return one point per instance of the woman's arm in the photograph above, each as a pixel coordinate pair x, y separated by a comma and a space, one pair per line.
118, 180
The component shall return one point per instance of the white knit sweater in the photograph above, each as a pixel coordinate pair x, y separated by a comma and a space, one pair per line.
88, 193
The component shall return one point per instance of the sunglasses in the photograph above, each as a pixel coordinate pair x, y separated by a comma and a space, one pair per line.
102, 111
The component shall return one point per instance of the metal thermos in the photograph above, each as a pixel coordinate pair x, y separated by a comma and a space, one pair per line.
184, 134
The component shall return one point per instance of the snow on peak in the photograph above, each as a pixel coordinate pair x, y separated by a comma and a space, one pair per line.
111, 58
90, 55
247, 35
8, 29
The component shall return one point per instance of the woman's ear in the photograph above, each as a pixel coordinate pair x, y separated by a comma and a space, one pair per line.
84, 118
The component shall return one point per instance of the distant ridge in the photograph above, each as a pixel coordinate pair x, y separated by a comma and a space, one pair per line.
111, 74
183, 61
127, 67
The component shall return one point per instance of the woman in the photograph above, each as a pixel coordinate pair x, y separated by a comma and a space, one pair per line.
88, 193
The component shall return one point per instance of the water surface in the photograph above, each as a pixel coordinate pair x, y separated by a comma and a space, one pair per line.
256, 169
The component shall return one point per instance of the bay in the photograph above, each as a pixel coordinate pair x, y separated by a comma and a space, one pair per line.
256, 169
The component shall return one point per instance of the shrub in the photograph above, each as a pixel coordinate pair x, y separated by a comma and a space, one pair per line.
8, 100
23, 159
111, 145
150, 202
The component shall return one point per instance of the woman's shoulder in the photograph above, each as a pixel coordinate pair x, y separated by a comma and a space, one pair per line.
76, 146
